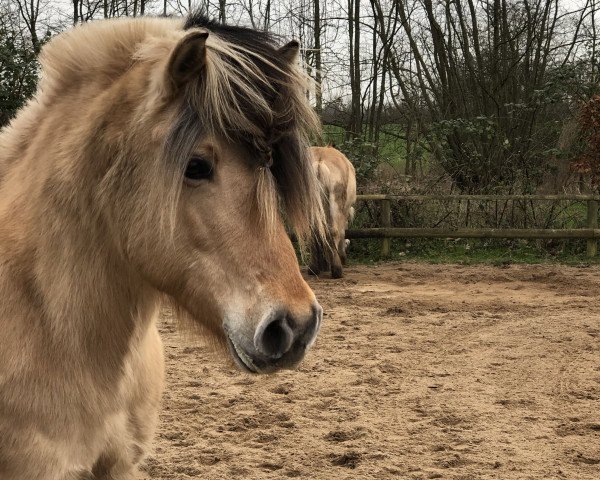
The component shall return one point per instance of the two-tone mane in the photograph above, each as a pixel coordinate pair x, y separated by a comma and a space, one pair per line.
252, 93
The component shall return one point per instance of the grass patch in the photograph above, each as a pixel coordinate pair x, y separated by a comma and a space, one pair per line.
391, 149
467, 252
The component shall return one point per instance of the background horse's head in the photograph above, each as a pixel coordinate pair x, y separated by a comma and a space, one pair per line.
191, 139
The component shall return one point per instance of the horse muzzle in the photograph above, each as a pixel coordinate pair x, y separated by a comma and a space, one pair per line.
279, 341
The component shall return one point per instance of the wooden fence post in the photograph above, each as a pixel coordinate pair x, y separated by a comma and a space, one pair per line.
592, 218
386, 222
386, 232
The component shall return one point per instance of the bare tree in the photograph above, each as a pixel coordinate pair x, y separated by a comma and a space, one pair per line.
30, 12
483, 81
482, 85
317, 54
355, 122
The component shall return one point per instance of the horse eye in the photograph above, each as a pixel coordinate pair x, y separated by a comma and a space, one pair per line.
199, 168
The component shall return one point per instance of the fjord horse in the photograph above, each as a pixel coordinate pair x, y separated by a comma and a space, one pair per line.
337, 177
150, 166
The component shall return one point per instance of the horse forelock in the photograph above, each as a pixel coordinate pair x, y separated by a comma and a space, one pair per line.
250, 95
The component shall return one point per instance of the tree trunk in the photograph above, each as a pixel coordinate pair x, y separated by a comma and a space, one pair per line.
357, 99
354, 122
317, 53
222, 11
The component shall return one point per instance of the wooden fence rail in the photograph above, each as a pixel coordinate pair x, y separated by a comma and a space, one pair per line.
386, 232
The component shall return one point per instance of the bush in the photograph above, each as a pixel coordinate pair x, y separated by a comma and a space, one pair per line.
18, 72
589, 120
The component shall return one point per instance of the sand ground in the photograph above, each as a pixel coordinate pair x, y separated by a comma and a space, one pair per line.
420, 371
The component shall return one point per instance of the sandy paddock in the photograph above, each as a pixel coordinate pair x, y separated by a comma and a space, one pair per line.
420, 371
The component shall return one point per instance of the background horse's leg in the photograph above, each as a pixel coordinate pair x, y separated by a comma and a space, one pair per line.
336, 264
336, 250
342, 246
316, 257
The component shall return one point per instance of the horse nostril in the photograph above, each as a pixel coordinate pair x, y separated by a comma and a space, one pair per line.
276, 338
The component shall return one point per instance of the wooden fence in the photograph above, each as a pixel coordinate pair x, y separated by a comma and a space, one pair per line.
386, 232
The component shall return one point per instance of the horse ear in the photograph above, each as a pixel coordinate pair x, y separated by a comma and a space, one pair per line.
289, 51
187, 59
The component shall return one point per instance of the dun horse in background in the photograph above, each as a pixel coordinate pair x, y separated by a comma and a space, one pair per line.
338, 182
150, 165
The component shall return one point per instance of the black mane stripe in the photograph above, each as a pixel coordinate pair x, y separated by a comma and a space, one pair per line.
274, 90
256, 40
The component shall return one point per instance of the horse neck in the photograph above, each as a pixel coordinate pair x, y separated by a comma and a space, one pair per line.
97, 301
83, 301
